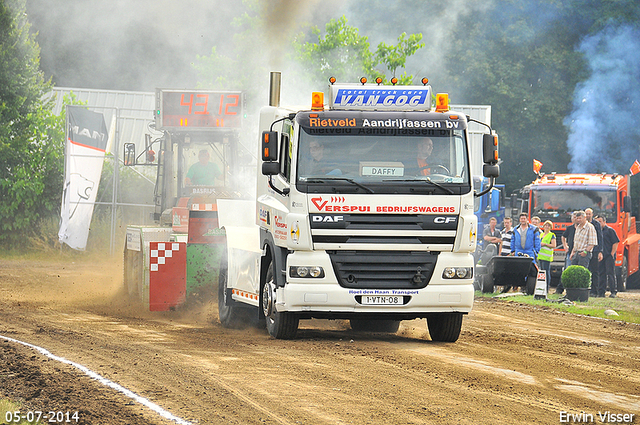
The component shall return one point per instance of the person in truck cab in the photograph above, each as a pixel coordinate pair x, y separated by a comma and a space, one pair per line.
425, 147
317, 164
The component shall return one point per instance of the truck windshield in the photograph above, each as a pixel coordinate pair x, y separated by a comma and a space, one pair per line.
557, 205
435, 159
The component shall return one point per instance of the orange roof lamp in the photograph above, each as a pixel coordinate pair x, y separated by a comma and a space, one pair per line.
442, 102
317, 101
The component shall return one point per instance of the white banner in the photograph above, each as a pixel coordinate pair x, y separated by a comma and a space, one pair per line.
84, 155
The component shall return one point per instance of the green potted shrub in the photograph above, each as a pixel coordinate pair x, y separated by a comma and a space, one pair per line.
577, 281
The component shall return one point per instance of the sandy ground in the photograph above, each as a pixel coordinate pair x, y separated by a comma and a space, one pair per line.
513, 364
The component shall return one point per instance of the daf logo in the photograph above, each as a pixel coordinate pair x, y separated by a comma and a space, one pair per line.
444, 220
327, 218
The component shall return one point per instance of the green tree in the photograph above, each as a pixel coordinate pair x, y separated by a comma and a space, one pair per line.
343, 53
31, 137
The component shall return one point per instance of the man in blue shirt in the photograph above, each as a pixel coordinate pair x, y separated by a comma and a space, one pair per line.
526, 238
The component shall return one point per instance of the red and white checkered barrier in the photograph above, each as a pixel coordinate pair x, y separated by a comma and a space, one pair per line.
163, 251
167, 275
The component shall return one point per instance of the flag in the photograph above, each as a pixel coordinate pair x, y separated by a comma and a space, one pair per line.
537, 165
84, 155
635, 168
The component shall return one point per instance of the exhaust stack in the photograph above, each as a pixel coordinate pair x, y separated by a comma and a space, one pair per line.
274, 89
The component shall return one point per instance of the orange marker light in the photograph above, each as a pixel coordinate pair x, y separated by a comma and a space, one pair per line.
317, 101
495, 152
332, 80
442, 102
379, 80
425, 81
363, 80
394, 81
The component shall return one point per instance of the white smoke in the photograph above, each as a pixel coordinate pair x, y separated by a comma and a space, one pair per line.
604, 129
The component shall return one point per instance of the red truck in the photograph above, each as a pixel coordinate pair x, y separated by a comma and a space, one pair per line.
555, 196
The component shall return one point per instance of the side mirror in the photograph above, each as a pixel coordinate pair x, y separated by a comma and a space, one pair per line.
490, 149
626, 204
270, 168
269, 146
491, 170
129, 154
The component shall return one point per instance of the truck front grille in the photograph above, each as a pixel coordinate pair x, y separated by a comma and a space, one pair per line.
383, 269
430, 232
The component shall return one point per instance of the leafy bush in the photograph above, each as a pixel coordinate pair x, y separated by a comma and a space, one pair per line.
576, 277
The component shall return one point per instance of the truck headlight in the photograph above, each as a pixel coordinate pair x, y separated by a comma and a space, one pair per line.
306, 271
316, 271
457, 273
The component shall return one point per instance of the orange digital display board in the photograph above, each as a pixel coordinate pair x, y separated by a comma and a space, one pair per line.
198, 109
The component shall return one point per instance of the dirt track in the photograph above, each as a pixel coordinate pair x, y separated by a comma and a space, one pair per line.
512, 364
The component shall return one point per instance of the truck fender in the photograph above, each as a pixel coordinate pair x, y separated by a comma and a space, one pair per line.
271, 252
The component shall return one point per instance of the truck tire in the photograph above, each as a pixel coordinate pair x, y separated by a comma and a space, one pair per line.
380, 325
444, 327
229, 313
487, 284
622, 274
280, 325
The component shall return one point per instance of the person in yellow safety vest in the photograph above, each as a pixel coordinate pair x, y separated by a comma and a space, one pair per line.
547, 245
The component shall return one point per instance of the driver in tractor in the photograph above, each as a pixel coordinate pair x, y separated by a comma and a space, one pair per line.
202, 172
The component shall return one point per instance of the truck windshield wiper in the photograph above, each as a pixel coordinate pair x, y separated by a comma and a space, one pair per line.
324, 180
428, 179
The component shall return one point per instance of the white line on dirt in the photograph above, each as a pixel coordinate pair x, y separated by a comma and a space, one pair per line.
147, 403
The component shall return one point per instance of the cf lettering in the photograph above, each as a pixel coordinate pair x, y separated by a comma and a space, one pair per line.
443, 220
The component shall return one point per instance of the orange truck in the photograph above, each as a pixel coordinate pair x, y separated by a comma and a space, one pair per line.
555, 196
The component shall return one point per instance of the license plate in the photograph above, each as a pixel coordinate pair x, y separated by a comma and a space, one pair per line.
382, 300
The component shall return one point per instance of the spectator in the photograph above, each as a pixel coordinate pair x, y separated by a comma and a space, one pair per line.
491, 235
567, 243
506, 235
609, 248
547, 245
492, 238
584, 240
526, 238
535, 220
594, 262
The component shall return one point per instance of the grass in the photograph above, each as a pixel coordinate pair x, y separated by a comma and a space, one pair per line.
628, 309
7, 406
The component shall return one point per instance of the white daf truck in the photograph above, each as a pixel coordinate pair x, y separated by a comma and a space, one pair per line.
364, 211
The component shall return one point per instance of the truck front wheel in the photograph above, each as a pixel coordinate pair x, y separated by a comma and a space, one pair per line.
280, 325
444, 327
